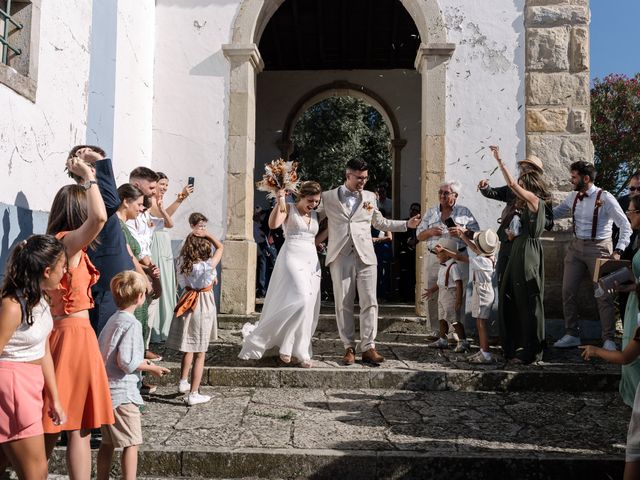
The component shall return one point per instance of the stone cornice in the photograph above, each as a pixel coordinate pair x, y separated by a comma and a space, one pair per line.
244, 53
433, 49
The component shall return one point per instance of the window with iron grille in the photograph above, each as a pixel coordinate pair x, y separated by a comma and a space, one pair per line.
17, 43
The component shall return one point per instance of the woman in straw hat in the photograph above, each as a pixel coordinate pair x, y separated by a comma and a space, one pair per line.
521, 313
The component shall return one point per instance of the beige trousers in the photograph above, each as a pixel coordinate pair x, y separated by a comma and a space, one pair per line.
348, 272
580, 261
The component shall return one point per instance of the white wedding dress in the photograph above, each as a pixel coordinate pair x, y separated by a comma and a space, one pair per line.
290, 313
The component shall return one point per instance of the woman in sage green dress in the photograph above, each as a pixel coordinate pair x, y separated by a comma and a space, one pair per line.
520, 308
162, 255
631, 372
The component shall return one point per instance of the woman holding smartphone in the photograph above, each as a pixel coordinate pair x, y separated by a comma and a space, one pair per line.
447, 219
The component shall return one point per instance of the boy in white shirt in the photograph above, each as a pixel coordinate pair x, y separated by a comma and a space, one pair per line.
483, 265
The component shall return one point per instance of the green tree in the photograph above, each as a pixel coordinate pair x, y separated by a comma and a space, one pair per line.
335, 130
615, 129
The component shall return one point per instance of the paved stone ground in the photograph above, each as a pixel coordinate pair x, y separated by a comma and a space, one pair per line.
314, 433
423, 413
587, 424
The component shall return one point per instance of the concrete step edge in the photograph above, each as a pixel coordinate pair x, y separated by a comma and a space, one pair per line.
175, 462
403, 379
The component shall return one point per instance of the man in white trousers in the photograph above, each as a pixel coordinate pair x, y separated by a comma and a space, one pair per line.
351, 211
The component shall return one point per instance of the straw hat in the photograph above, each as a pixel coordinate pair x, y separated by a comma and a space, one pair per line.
533, 160
486, 241
448, 244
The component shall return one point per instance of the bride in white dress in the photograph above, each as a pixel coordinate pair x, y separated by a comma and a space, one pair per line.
290, 313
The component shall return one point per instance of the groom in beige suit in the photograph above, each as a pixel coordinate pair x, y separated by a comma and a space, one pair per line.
350, 212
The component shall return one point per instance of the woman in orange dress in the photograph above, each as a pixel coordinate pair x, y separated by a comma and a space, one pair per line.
77, 216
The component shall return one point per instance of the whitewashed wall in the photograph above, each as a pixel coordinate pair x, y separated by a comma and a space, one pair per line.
485, 95
278, 92
191, 107
35, 137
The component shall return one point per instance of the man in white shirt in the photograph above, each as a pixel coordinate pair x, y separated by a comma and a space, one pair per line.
594, 211
142, 228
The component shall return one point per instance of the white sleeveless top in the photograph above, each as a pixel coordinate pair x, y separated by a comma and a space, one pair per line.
28, 341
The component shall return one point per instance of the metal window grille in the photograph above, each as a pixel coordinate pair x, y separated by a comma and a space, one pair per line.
4, 34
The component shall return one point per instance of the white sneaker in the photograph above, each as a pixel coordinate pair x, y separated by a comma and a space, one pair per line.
440, 343
195, 398
609, 345
568, 341
479, 359
462, 347
184, 386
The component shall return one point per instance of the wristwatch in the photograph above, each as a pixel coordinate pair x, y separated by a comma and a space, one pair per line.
87, 185
618, 251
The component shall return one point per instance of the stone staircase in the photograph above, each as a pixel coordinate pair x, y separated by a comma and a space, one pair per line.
423, 413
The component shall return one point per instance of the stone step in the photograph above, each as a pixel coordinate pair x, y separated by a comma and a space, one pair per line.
406, 321
327, 323
411, 367
379, 434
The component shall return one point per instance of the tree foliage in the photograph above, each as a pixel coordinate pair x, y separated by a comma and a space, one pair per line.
615, 129
335, 130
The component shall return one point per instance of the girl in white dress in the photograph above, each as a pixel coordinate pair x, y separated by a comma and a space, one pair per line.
194, 320
292, 304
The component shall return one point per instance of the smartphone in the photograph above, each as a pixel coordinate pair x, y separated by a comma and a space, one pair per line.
450, 223
191, 181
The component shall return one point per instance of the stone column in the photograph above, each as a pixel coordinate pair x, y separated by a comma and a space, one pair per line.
431, 64
239, 258
557, 110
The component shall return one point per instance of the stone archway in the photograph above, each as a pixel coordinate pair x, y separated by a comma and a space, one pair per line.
238, 266
343, 88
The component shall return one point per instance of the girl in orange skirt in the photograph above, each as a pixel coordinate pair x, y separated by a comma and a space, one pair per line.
77, 216
36, 264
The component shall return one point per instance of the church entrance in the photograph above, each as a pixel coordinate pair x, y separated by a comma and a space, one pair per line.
293, 55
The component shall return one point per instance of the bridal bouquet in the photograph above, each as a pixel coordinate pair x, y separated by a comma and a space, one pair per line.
279, 175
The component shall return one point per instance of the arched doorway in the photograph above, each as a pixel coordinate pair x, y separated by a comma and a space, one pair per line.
245, 63
348, 89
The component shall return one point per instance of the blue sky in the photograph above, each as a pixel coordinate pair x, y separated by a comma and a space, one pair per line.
615, 37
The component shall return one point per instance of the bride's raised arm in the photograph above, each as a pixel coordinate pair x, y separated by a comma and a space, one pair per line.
280, 210
521, 193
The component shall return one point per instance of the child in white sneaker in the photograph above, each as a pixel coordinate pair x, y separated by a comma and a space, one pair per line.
122, 348
449, 288
483, 265
625, 357
194, 320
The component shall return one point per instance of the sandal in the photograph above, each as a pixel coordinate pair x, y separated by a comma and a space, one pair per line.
149, 355
306, 364
285, 358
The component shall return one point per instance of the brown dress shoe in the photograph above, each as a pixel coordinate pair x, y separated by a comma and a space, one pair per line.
349, 356
371, 356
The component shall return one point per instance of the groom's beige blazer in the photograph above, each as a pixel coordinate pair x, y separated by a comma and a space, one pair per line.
345, 226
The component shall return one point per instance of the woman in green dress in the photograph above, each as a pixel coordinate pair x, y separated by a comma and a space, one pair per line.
631, 372
131, 204
162, 255
520, 308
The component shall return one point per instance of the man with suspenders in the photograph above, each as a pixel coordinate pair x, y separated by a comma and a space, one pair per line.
593, 212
